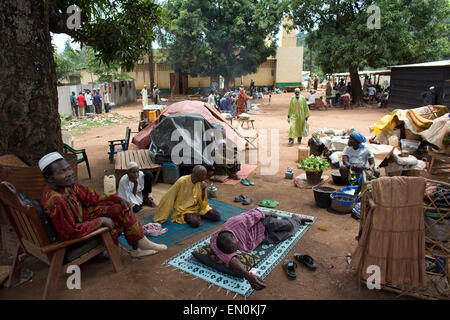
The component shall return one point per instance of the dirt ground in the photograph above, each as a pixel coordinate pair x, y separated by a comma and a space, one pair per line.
149, 278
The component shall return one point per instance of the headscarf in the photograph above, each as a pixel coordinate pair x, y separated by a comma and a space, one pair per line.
359, 138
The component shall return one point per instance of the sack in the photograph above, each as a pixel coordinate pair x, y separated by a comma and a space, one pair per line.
306, 130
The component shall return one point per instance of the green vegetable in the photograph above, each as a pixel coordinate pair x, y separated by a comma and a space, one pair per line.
313, 163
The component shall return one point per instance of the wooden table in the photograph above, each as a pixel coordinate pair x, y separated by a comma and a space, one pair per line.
141, 157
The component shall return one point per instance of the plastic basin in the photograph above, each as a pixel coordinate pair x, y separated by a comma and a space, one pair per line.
322, 196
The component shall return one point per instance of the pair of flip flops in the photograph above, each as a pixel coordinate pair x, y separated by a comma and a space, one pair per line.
247, 182
289, 266
243, 199
269, 203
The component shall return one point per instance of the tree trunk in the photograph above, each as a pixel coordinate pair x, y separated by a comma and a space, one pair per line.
310, 63
356, 86
29, 118
151, 68
174, 85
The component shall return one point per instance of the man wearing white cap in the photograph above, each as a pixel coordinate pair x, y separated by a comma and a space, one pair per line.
429, 97
76, 210
136, 187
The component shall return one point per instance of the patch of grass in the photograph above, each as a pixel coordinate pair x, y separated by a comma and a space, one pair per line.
75, 126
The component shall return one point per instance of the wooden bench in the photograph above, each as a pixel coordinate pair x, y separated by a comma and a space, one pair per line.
141, 157
247, 121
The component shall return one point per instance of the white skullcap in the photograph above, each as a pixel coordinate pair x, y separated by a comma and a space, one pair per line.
431, 88
132, 165
49, 159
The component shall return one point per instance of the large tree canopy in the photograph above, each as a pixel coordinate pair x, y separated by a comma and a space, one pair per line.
410, 31
119, 31
223, 37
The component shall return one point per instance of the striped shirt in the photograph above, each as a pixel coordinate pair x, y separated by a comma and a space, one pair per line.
247, 228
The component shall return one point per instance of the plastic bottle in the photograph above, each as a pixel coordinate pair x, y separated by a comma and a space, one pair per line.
393, 141
109, 185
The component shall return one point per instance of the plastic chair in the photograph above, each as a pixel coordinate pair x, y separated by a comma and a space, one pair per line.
81, 159
119, 142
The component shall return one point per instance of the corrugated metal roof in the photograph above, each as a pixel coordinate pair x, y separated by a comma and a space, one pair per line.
425, 64
361, 73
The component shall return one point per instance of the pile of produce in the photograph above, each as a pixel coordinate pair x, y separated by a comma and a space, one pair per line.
313, 163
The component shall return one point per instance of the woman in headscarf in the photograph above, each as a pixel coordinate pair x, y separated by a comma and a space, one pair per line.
357, 157
241, 104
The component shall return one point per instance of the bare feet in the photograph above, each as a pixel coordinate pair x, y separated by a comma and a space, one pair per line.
301, 219
149, 202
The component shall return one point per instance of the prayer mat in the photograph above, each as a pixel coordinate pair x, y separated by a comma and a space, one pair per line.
179, 232
245, 171
269, 257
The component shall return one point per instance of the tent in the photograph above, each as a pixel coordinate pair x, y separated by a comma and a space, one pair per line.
185, 138
143, 139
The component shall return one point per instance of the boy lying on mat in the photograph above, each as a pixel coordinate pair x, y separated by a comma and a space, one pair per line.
246, 232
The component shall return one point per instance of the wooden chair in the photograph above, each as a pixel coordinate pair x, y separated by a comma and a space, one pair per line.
445, 158
119, 142
38, 238
81, 159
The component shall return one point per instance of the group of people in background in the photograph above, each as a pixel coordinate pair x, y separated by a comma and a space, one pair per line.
87, 102
154, 96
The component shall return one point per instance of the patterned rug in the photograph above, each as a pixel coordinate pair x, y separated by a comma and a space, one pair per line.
270, 256
179, 232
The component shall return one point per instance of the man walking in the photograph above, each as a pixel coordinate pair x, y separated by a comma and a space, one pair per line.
297, 116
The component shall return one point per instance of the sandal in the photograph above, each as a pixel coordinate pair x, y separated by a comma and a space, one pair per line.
289, 267
250, 182
245, 182
306, 260
269, 203
247, 201
239, 198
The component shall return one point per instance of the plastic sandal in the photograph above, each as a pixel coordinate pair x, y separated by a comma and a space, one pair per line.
250, 182
289, 267
306, 260
239, 198
245, 182
269, 203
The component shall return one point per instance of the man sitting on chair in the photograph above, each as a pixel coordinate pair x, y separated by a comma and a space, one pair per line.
188, 200
136, 187
76, 210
